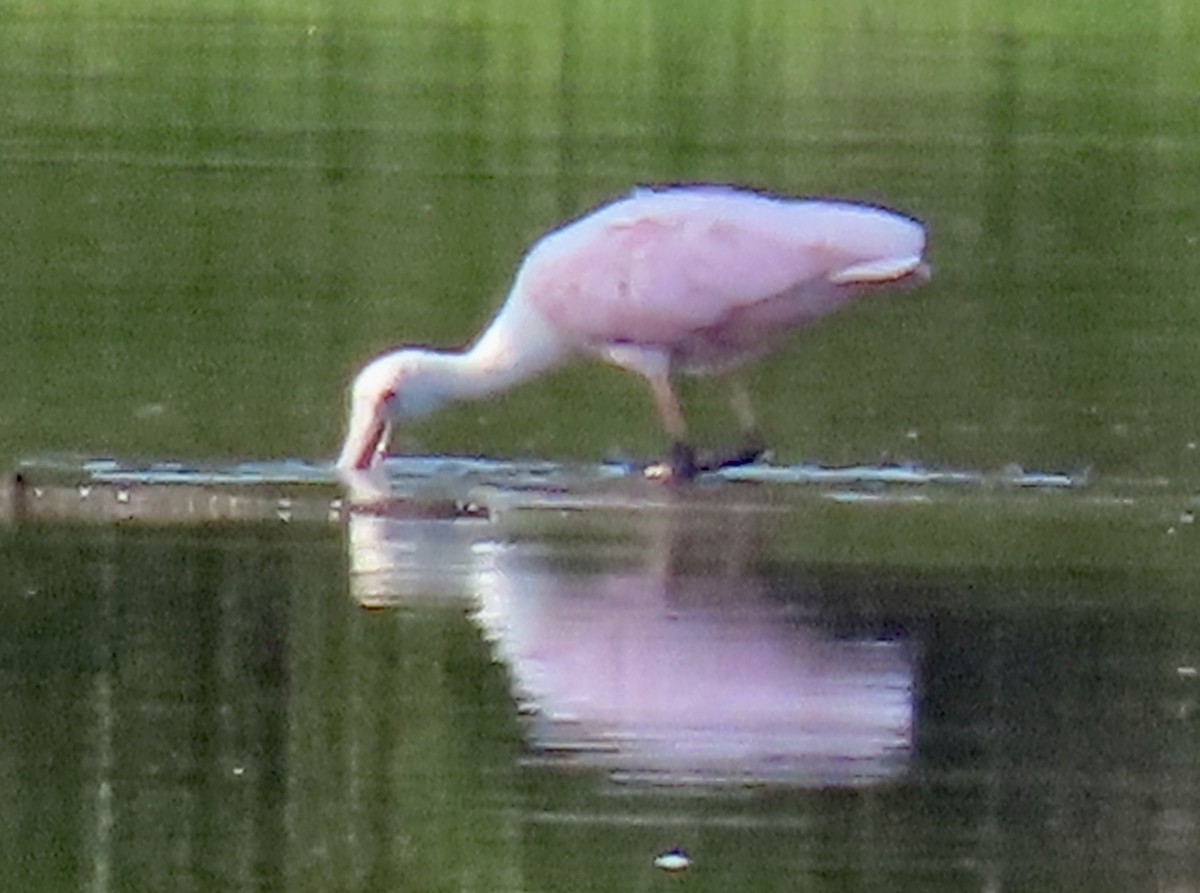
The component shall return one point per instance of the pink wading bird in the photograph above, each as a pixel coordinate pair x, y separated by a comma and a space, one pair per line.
683, 280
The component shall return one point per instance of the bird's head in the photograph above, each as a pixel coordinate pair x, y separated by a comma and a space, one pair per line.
396, 386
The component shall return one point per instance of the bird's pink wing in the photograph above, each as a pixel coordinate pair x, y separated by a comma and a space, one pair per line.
658, 277
693, 276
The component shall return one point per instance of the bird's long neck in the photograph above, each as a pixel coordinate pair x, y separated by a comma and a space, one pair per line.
516, 345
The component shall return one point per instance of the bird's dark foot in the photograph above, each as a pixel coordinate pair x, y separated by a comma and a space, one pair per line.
679, 466
683, 462
749, 453
683, 465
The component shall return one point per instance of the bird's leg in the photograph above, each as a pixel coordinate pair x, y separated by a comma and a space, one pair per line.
753, 445
751, 448
669, 409
683, 466
683, 462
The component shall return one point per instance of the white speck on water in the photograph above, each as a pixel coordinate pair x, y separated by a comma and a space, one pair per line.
675, 860
150, 411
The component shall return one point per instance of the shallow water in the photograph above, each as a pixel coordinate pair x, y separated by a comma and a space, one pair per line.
946, 639
193, 271
561, 692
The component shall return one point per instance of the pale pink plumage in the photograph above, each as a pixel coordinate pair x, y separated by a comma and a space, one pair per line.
688, 279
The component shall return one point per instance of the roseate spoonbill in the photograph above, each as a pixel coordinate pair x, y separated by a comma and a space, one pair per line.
681, 280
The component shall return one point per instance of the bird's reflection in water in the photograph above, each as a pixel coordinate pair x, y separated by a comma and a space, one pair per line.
669, 660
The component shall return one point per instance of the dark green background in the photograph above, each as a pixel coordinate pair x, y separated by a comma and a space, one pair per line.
207, 709
212, 214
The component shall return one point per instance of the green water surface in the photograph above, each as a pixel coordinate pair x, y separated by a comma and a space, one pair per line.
210, 709
212, 215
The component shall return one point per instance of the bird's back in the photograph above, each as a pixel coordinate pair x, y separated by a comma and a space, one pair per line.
665, 267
